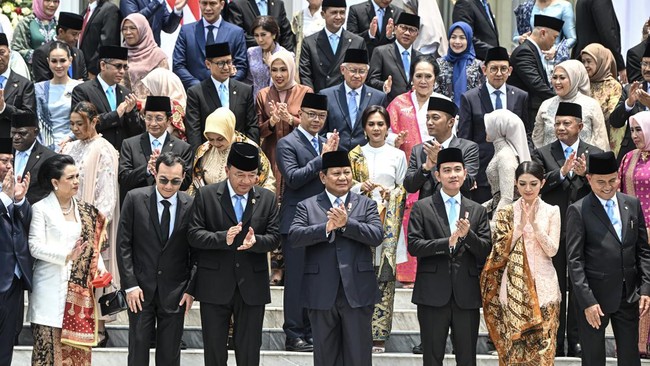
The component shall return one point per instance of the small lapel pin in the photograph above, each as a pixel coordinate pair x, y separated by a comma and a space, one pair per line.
368, 94
626, 207
234, 92
171, 144
349, 40
15, 85
37, 157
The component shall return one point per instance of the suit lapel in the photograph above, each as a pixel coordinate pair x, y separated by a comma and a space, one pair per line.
599, 211
145, 144
324, 46
307, 144
232, 93
441, 217
10, 89
324, 201
253, 197
255, 9
487, 17
199, 34
510, 99
91, 19
344, 44
486, 101
538, 60
342, 101
557, 153
101, 94
226, 202
363, 103
152, 206
210, 90
168, 145
624, 209
397, 60
34, 157
181, 210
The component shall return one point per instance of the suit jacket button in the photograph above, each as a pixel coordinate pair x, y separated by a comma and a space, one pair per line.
159, 272
237, 265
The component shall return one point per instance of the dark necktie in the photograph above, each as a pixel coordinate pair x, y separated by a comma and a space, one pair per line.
498, 104
165, 220
210, 39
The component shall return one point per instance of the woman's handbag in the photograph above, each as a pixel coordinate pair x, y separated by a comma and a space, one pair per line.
113, 302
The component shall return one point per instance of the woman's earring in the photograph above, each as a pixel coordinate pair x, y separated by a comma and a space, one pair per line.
56, 188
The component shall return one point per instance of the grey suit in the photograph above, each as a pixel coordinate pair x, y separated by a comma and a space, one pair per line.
319, 66
338, 114
427, 184
18, 95
387, 61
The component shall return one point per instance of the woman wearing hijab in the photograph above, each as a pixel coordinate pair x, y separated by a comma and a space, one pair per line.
144, 53
571, 84
601, 68
211, 157
634, 173
460, 71
161, 81
35, 29
507, 133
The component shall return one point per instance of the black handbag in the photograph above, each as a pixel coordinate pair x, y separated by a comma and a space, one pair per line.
113, 302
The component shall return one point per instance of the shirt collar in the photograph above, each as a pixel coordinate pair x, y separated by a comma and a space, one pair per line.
6, 74
491, 89
308, 135
348, 89
446, 197
173, 199
92, 6
218, 83
401, 49
574, 146
330, 33
29, 151
604, 202
539, 50
103, 83
161, 138
216, 24
232, 191
445, 144
377, 7
332, 197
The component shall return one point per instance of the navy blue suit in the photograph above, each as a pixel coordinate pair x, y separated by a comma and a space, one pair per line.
14, 249
189, 54
339, 284
160, 19
299, 165
338, 114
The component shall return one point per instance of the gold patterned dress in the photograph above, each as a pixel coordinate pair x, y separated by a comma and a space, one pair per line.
607, 93
519, 286
384, 165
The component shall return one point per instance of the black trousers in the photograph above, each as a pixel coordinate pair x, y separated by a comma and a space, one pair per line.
434, 328
568, 314
296, 319
247, 332
342, 334
167, 334
625, 323
11, 306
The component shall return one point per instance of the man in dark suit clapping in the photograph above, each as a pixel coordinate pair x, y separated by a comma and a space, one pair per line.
16, 92
450, 236
338, 228
609, 264
374, 21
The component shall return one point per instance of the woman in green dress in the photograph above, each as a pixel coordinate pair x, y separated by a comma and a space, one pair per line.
35, 29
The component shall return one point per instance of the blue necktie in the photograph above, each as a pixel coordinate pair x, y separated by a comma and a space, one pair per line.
21, 162
610, 213
337, 202
110, 95
498, 104
156, 144
223, 96
334, 42
239, 208
380, 21
2, 81
210, 40
263, 8
352, 107
453, 214
567, 152
406, 60
487, 11
314, 143
70, 71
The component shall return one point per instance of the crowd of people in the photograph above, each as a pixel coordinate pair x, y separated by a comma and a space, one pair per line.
339, 160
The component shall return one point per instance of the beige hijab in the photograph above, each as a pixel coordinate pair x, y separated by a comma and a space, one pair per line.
222, 122
605, 62
578, 78
502, 124
161, 81
288, 59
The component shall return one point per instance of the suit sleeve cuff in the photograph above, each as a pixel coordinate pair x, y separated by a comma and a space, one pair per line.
132, 289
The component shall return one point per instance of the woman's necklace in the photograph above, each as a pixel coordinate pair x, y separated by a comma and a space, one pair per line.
68, 210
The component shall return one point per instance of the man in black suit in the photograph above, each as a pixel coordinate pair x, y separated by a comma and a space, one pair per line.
299, 160
348, 100
338, 230
529, 74
609, 264
29, 153
118, 118
441, 114
155, 263
220, 90
635, 98
475, 103
16, 268
101, 28
390, 67
160, 19
244, 12
16, 92
139, 153
323, 52
478, 14
68, 29
450, 236
565, 163
374, 21
634, 55
233, 226
596, 22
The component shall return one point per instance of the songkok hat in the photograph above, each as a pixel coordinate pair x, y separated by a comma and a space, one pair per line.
115, 52
23, 119
602, 163
549, 22
334, 4
314, 101
335, 159
158, 104
356, 56
5, 141
70, 21
442, 104
217, 50
244, 156
569, 109
647, 50
3, 40
450, 155
497, 54
408, 19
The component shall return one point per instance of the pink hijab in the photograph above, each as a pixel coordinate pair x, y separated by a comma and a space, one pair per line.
643, 120
145, 55
39, 12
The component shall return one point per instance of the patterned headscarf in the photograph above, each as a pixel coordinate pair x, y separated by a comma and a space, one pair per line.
460, 60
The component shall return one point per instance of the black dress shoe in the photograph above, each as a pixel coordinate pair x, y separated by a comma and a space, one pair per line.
575, 350
310, 340
417, 349
298, 345
104, 342
183, 345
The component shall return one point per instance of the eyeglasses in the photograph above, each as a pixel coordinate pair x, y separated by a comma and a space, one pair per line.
645, 64
131, 29
158, 119
124, 67
221, 64
175, 182
494, 70
5, 161
407, 29
357, 71
312, 115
